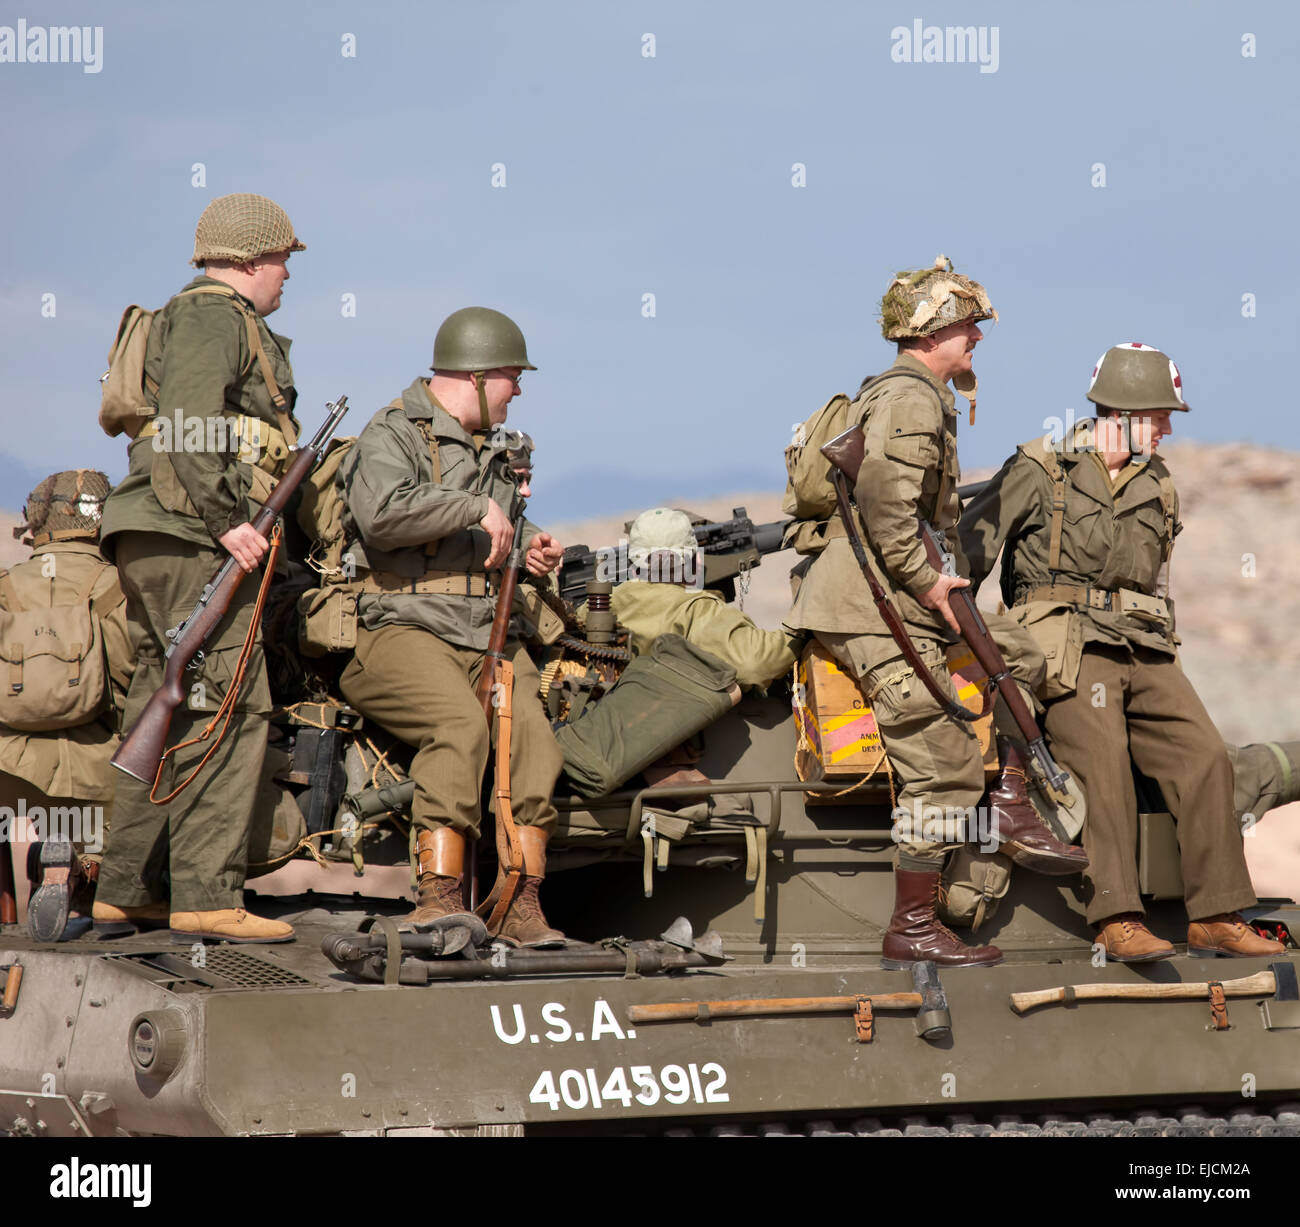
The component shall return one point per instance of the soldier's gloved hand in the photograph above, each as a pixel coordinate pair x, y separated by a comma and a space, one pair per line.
544, 554
245, 544
497, 525
936, 598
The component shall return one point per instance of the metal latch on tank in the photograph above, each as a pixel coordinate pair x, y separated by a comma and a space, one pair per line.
1278, 986
933, 1021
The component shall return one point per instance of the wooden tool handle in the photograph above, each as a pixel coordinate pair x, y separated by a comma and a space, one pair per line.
13, 981
1262, 983
680, 1011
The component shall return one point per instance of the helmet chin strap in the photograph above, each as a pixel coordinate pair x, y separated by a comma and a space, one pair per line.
485, 421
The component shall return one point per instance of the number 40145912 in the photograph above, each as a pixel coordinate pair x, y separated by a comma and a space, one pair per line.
580, 1088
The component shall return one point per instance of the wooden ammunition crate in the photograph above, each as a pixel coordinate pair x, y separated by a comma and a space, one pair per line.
840, 743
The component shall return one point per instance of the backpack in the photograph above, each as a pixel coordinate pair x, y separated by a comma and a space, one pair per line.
53, 666
809, 494
328, 614
129, 396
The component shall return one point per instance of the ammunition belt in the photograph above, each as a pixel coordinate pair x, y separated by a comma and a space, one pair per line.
261, 445
1121, 600
441, 583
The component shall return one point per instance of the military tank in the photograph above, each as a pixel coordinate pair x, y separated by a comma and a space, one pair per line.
724, 977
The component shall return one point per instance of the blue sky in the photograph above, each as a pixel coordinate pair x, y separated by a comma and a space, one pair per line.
671, 175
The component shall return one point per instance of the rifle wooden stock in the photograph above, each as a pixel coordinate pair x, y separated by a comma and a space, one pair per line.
501, 620
845, 454
975, 631
142, 748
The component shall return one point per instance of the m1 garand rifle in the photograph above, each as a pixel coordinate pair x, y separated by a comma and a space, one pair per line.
845, 453
730, 549
141, 752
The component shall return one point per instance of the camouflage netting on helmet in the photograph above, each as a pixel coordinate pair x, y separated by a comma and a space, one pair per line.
65, 505
242, 227
924, 300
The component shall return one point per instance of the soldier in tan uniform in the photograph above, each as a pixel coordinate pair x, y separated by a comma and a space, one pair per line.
910, 470
1088, 524
662, 596
66, 766
224, 392
430, 511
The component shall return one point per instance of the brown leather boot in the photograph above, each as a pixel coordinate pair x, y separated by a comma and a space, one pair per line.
440, 861
916, 935
524, 924
1016, 825
1229, 935
1125, 939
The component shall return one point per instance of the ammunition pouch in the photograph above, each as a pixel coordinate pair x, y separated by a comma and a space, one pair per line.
540, 623
327, 619
973, 884
1058, 632
663, 697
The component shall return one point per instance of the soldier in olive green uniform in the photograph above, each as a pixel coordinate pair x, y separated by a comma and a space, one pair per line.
430, 510
1089, 524
224, 392
661, 597
67, 766
909, 470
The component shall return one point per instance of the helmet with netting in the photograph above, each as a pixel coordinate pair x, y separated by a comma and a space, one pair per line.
65, 506
1133, 377
924, 300
242, 227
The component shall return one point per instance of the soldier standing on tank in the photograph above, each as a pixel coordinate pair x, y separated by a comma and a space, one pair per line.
67, 767
910, 470
431, 506
1088, 523
183, 508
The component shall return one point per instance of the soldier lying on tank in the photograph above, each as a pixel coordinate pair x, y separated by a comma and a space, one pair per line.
430, 507
910, 470
61, 770
664, 594
1088, 523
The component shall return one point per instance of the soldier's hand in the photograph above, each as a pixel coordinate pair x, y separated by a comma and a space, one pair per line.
544, 554
936, 598
245, 545
497, 525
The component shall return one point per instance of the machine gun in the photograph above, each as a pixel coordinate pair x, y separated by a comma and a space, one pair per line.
730, 548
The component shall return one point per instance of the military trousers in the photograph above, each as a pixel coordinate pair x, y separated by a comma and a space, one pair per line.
937, 763
1137, 702
422, 690
200, 838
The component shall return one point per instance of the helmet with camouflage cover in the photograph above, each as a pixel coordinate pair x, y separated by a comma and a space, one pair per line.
667, 533
65, 506
1135, 378
922, 301
242, 227
479, 339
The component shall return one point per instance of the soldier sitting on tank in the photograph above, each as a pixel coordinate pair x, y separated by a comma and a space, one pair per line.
62, 768
1088, 524
430, 507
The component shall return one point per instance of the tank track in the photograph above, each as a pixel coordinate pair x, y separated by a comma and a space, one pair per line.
1282, 1120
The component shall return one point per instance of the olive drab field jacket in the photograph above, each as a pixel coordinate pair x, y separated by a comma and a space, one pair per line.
73, 762
191, 476
702, 617
414, 532
909, 470
1084, 557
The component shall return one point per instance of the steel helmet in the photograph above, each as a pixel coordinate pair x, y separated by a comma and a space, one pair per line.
1133, 377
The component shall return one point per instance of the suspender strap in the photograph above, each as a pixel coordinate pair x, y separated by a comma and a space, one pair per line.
1058, 519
